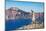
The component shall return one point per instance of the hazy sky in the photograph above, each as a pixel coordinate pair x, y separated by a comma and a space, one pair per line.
26, 6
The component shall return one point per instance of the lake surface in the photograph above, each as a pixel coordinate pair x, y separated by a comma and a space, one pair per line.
16, 23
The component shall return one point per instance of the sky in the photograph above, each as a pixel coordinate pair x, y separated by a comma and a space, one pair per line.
26, 6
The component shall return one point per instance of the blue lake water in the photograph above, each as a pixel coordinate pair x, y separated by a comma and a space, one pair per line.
16, 23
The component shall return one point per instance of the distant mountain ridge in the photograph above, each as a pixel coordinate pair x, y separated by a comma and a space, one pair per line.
16, 12
17, 9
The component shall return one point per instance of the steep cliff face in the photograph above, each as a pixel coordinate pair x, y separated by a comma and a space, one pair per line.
15, 12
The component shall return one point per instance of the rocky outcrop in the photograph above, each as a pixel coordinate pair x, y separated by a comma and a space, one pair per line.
14, 13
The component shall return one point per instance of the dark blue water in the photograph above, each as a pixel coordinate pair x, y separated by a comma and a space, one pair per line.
14, 24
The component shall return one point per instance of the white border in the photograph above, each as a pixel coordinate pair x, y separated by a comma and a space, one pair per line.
2, 15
